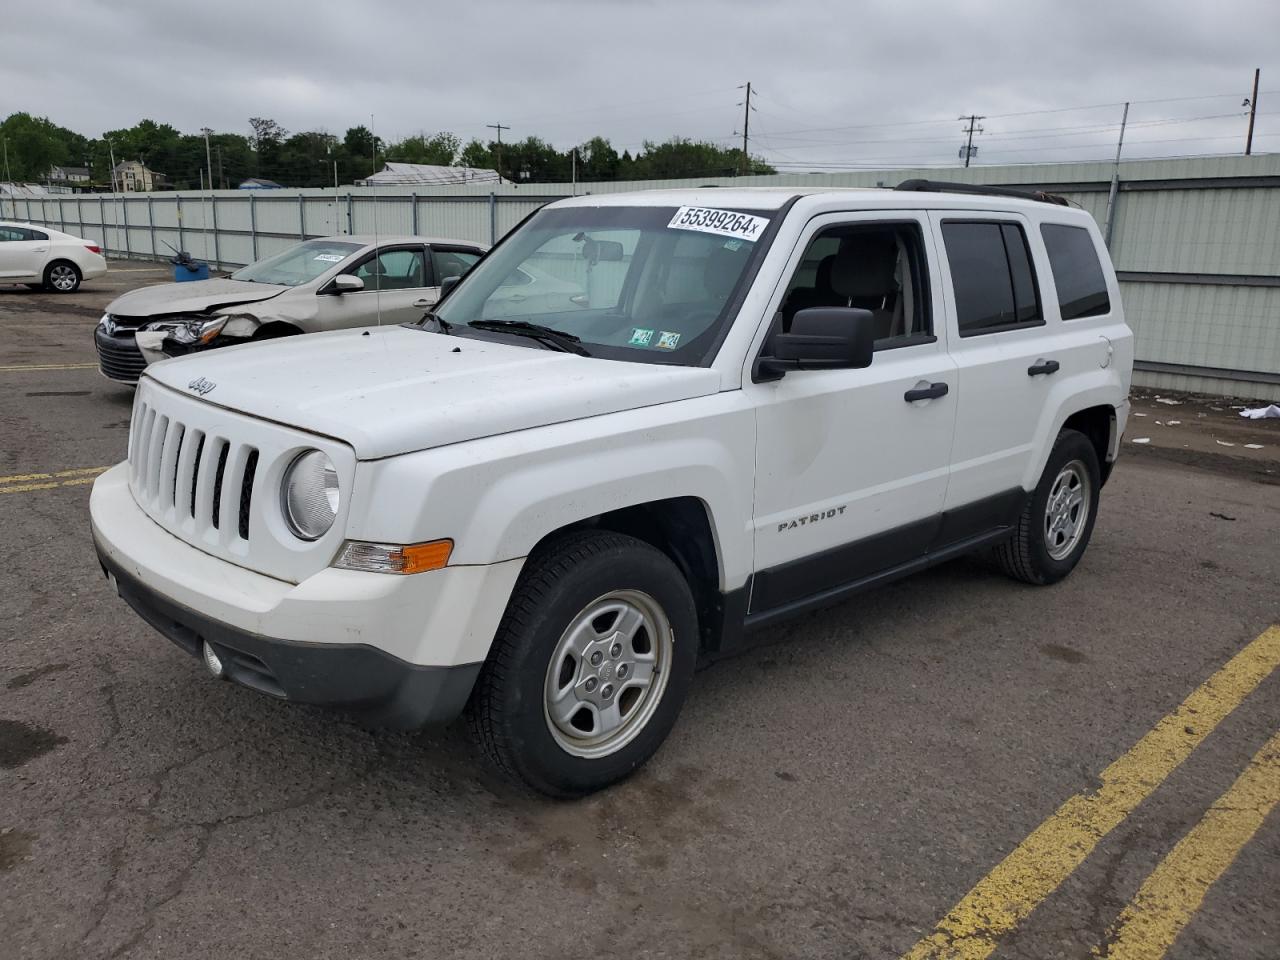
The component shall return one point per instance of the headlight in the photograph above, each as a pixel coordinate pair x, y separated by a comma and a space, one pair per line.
198, 331
310, 495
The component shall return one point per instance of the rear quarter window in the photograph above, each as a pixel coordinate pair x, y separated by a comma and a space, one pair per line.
1077, 271
992, 276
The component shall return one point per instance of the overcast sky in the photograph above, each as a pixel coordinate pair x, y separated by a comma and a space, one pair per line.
839, 82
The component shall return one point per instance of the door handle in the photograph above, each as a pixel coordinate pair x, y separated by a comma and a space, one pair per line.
931, 392
424, 302
1042, 368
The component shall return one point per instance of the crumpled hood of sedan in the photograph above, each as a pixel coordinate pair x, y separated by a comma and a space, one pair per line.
198, 296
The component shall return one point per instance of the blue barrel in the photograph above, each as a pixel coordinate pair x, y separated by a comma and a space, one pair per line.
197, 271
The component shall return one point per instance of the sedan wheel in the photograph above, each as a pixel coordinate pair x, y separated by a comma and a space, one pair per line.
63, 277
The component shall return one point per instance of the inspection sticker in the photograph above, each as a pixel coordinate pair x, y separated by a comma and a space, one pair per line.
724, 223
668, 340
330, 257
640, 337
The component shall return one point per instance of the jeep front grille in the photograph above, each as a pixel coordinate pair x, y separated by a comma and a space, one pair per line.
184, 472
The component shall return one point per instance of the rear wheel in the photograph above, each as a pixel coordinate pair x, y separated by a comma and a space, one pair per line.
589, 667
62, 276
1053, 531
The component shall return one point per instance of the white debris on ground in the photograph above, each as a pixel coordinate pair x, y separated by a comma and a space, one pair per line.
1172, 403
1141, 439
1253, 446
1223, 443
1262, 413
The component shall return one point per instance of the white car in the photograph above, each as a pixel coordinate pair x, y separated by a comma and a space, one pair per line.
329, 283
47, 259
764, 402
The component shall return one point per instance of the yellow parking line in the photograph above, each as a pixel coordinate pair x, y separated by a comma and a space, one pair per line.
1039, 864
12, 367
1173, 893
22, 482
19, 477
27, 487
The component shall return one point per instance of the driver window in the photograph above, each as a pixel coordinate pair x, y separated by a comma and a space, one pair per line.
879, 267
393, 270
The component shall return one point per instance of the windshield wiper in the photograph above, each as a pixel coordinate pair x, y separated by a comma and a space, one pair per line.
560, 339
430, 316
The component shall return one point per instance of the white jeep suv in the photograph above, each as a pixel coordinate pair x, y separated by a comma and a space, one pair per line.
735, 406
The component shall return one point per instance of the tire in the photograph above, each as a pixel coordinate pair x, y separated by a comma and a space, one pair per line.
541, 663
62, 276
1051, 535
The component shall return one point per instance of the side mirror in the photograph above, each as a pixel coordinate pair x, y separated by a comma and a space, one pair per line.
447, 284
821, 338
345, 283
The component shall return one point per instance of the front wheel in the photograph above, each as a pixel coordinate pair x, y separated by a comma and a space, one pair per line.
590, 665
62, 277
1053, 531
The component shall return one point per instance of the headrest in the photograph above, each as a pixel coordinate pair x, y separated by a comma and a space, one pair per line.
864, 266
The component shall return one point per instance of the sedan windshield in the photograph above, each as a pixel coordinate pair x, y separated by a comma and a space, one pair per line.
299, 264
648, 284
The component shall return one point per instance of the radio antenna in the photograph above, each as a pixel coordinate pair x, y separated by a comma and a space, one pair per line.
377, 251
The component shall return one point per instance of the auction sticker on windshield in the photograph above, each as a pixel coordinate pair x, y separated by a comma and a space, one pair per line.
724, 223
330, 257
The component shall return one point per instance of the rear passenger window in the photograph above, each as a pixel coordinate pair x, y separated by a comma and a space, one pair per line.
1077, 273
992, 275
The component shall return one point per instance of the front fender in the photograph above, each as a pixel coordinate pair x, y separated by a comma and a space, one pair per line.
497, 497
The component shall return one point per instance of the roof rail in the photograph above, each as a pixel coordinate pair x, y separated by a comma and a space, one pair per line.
942, 186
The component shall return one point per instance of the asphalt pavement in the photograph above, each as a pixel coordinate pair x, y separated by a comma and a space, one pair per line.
953, 765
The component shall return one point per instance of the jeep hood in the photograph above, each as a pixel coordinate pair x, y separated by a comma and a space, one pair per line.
395, 390
198, 296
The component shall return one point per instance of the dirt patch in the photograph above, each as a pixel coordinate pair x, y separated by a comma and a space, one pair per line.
31, 676
15, 847
21, 743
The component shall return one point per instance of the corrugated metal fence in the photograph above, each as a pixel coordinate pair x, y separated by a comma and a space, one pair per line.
1196, 242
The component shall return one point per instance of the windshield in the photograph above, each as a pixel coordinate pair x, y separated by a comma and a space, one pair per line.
299, 264
648, 284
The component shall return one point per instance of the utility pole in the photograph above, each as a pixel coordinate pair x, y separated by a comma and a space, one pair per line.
222, 180
746, 129
208, 155
968, 150
1253, 112
1115, 178
499, 127
9, 179
575, 171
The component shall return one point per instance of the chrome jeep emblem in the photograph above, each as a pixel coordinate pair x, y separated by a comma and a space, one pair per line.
201, 386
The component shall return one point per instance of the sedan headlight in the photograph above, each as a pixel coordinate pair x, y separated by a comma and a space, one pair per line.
310, 495
198, 331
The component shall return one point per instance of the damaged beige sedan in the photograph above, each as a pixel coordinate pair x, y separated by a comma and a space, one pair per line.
330, 283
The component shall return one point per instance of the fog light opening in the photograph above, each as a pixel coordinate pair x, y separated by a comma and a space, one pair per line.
213, 663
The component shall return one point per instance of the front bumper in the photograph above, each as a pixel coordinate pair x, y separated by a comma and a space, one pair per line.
362, 680
403, 651
119, 358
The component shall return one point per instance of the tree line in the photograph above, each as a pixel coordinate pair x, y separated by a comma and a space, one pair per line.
34, 145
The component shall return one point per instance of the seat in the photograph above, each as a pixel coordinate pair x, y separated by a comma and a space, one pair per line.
821, 294
863, 275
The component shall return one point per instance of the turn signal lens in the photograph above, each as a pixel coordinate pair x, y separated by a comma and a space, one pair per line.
394, 557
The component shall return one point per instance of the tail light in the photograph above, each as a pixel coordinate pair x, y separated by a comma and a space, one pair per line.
92, 249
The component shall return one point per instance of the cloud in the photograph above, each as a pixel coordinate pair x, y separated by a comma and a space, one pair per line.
838, 82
